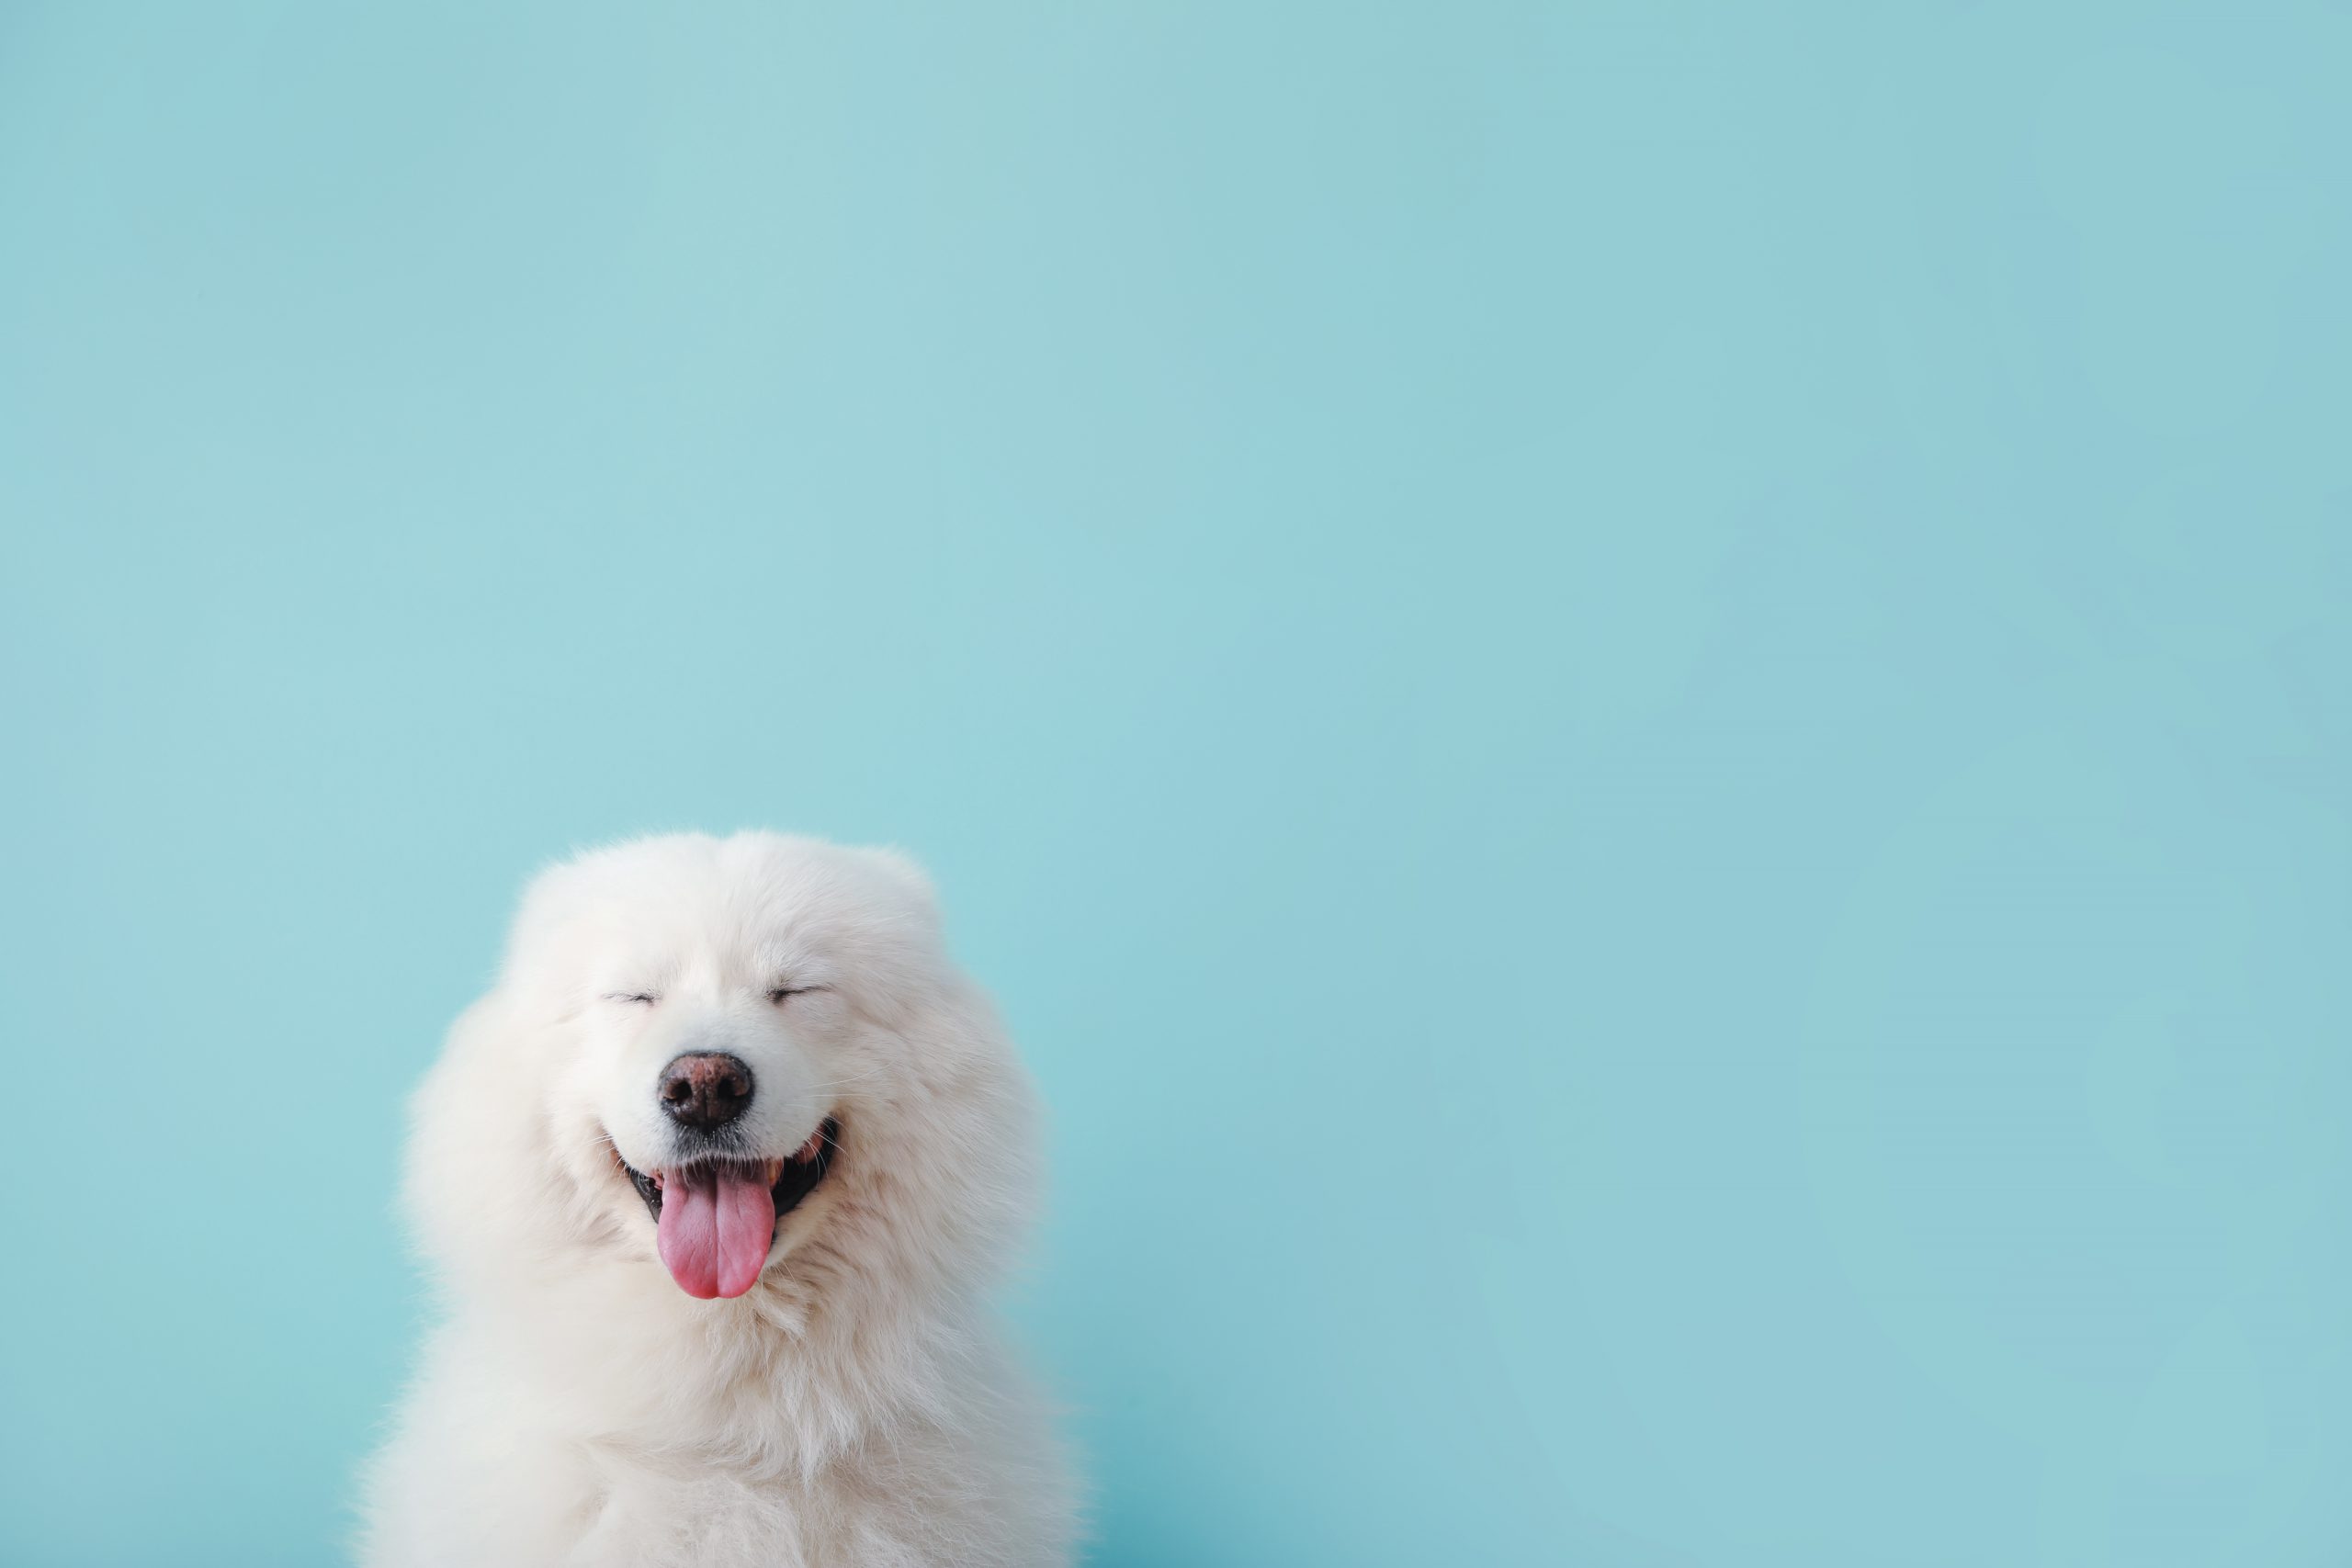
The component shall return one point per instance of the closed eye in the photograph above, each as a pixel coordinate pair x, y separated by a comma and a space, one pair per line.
783, 993
647, 998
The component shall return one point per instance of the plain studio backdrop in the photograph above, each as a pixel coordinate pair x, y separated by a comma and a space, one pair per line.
1642, 708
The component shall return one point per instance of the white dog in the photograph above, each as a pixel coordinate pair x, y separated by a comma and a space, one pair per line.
715, 1180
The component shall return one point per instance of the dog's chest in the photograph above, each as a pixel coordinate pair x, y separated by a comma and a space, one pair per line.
671, 1517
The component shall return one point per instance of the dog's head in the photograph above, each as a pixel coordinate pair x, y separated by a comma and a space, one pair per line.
722, 1054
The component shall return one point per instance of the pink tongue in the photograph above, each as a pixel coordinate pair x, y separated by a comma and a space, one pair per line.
714, 1230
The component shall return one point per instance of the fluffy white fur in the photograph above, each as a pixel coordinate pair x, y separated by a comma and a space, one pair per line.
856, 1407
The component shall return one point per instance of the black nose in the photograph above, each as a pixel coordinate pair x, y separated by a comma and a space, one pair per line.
706, 1089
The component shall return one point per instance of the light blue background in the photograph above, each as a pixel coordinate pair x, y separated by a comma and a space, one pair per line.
1643, 708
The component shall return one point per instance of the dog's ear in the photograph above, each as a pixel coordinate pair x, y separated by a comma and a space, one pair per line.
546, 901
901, 870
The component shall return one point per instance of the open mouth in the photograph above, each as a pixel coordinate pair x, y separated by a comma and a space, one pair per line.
715, 1219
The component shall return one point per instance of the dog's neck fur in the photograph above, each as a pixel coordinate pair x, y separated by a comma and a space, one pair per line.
776, 1384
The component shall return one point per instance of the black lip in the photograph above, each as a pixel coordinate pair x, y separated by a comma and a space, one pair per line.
796, 1182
